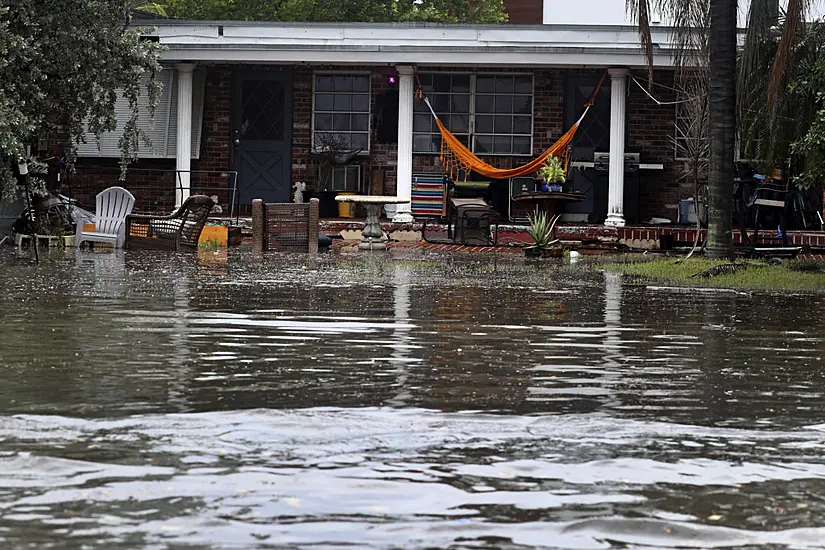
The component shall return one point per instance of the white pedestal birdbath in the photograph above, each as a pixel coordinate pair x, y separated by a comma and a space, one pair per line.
372, 237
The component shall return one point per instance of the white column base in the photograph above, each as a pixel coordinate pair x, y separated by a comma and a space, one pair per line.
403, 217
615, 220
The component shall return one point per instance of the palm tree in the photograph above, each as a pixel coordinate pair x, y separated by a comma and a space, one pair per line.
779, 102
716, 20
722, 110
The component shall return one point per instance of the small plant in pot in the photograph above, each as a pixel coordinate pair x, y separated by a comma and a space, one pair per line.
552, 174
543, 232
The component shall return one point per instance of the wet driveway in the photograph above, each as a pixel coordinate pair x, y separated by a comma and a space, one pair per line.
156, 400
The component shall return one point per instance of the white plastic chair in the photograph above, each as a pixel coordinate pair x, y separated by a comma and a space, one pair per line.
112, 207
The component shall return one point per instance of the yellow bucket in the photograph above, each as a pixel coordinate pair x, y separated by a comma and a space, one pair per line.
346, 209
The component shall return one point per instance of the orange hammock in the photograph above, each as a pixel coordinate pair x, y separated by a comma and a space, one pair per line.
456, 157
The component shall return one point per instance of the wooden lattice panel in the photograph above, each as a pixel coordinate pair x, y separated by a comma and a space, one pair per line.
291, 227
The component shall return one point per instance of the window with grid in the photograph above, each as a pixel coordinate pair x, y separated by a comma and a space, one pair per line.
341, 112
449, 94
491, 114
690, 136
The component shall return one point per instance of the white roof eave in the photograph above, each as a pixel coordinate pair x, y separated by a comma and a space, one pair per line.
482, 45
487, 57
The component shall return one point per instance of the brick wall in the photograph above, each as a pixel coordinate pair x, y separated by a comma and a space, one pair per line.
208, 172
302, 125
651, 131
524, 12
151, 181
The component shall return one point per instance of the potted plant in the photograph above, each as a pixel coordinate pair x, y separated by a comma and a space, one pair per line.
552, 173
543, 232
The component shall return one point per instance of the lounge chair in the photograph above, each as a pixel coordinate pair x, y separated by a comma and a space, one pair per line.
112, 206
181, 229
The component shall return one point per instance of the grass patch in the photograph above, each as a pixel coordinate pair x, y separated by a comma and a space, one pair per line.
788, 275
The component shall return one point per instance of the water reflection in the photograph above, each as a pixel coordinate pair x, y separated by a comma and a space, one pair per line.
152, 399
402, 338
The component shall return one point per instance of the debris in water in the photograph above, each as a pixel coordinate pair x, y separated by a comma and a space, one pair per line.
721, 269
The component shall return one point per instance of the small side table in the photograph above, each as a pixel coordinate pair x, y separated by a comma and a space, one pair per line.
372, 237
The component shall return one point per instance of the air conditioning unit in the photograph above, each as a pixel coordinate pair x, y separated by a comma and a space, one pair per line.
345, 177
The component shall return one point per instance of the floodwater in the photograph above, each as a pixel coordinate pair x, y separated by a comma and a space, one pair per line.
155, 400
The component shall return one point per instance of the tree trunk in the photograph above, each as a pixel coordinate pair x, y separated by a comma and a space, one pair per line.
722, 99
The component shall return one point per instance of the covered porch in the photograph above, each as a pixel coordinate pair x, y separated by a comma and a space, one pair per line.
258, 100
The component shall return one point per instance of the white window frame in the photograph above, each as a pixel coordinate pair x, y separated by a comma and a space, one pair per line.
472, 134
368, 112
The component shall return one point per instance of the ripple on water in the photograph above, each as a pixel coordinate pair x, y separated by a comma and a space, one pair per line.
387, 476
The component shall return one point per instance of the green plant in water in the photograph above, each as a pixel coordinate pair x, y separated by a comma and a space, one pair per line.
552, 171
543, 230
210, 244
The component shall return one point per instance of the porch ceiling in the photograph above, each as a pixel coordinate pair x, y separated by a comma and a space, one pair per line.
420, 44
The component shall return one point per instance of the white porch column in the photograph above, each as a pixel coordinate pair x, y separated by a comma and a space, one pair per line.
406, 94
618, 105
183, 151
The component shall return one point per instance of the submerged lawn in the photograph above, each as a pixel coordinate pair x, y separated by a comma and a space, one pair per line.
788, 275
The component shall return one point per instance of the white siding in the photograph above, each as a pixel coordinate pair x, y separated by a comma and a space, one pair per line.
614, 12
162, 131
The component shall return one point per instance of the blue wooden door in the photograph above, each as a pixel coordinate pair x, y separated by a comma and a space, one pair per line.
262, 136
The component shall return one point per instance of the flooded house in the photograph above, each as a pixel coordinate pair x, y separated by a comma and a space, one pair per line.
251, 108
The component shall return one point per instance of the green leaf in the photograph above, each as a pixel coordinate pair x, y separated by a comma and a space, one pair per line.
63, 65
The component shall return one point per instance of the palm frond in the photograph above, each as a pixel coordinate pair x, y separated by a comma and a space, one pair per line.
758, 48
795, 15
688, 21
640, 13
